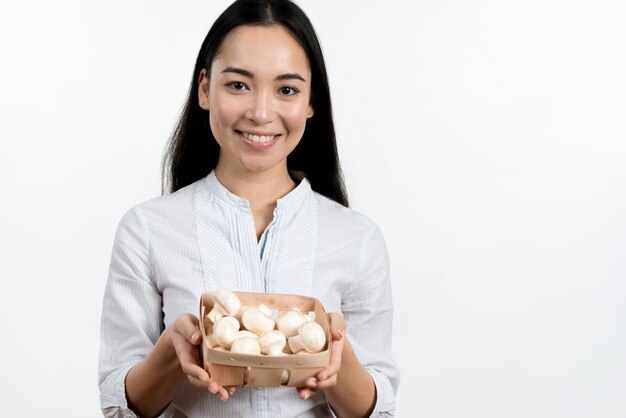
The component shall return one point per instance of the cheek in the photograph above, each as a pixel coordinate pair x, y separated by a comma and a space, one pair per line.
295, 117
222, 115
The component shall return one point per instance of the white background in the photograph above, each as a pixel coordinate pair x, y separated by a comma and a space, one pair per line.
486, 138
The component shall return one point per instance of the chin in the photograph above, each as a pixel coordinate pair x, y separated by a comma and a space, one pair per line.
258, 166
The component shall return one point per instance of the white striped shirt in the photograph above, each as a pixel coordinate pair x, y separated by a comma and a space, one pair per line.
171, 249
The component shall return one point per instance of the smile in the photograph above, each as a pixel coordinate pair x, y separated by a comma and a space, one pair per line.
259, 139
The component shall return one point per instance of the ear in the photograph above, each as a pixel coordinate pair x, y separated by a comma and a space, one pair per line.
310, 112
203, 90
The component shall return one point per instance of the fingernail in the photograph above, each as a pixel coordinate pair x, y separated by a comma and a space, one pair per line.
311, 383
307, 396
231, 391
340, 334
194, 337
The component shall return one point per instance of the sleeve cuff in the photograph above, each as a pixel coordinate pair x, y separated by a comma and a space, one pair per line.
385, 397
116, 404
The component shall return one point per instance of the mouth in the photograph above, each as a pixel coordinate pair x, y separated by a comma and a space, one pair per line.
258, 138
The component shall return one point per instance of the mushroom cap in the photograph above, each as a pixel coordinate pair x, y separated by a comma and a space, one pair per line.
228, 301
229, 320
246, 345
256, 321
225, 330
245, 333
310, 337
272, 341
289, 322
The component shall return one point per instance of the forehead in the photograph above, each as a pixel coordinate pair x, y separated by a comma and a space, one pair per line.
268, 50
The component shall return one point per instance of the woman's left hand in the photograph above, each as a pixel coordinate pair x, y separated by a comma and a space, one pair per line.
327, 377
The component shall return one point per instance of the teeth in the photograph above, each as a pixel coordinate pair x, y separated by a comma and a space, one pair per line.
257, 138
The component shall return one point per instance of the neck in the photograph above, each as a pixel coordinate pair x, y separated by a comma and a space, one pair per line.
261, 189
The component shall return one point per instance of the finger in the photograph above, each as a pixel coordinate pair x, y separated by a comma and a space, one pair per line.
211, 386
306, 393
337, 325
311, 382
327, 383
198, 382
337, 334
334, 363
219, 391
231, 390
185, 349
336, 321
187, 326
189, 364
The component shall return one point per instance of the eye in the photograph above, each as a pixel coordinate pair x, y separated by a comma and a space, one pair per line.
288, 90
236, 85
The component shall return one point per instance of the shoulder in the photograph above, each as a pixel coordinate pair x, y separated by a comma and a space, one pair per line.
162, 210
343, 220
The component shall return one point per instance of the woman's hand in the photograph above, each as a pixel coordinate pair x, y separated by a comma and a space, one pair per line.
186, 338
327, 377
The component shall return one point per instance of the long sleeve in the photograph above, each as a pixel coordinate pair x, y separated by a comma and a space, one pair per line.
368, 311
131, 313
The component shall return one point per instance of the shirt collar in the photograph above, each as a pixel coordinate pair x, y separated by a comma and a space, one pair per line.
290, 201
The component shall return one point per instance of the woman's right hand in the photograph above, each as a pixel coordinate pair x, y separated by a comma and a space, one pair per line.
186, 338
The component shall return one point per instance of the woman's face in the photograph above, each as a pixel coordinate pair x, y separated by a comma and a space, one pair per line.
258, 96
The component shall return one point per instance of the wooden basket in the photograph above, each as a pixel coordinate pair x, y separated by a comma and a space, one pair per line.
236, 369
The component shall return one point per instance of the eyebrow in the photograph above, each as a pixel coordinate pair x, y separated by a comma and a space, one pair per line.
246, 73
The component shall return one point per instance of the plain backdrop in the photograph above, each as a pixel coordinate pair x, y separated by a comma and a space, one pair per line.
486, 138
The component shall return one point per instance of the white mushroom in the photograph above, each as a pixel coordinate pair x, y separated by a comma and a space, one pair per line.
246, 345
256, 321
265, 309
225, 331
272, 343
262, 307
310, 338
240, 313
244, 333
284, 378
289, 322
226, 303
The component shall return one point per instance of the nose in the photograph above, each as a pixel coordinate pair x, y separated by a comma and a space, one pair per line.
261, 109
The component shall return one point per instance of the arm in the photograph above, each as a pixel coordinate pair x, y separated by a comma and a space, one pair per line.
354, 394
141, 365
361, 378
151, 385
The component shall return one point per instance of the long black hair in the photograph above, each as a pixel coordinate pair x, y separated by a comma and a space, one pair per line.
193, 152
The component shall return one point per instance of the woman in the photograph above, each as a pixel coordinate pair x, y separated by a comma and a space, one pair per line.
257, 204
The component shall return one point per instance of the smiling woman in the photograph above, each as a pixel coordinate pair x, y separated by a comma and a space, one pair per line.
258, 95
256, 204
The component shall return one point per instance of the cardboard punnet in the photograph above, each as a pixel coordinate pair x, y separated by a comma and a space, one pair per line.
236, 369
